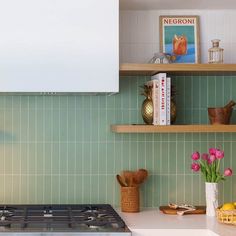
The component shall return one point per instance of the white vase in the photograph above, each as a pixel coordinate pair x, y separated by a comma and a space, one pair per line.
211, 198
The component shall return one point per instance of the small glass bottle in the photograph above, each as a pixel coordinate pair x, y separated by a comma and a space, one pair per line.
215, 54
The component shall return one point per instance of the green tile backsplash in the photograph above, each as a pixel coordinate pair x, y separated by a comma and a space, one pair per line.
59, 149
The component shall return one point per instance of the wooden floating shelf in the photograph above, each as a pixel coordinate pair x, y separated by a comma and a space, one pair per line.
151, 69
173, 128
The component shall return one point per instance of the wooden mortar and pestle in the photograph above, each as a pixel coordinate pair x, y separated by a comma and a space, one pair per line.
221, 115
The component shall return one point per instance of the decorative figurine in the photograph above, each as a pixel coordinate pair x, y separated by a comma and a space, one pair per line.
162, 58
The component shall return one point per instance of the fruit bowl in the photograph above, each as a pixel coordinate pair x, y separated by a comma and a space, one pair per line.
226, 216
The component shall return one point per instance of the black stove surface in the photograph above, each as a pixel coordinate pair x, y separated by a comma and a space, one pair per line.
61, 218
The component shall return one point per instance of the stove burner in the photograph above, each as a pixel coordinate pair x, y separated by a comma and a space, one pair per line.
47, 212
71, 218
6, 212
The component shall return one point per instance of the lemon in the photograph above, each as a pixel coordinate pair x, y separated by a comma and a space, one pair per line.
228, 206
234, 204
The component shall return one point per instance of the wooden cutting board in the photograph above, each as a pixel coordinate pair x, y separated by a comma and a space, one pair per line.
170, 211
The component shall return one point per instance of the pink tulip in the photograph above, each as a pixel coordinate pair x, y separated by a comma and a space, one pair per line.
212, 151
228, 172
205, 156
195, 156
195, 167
219, 154
212, 158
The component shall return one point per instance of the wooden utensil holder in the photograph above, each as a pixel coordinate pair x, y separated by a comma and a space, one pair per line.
130, 199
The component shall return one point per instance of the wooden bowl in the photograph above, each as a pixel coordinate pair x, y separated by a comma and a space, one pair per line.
219, 115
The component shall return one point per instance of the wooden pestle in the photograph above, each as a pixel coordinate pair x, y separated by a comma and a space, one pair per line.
230, 105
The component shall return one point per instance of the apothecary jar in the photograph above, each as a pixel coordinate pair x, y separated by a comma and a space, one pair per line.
215, 53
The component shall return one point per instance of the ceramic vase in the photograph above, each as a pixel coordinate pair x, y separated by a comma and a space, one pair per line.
211, 198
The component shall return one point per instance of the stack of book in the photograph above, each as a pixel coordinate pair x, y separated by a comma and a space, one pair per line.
160, 85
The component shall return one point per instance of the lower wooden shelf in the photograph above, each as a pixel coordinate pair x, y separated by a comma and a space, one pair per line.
173, 128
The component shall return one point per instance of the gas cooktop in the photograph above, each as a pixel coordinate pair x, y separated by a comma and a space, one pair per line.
79, 219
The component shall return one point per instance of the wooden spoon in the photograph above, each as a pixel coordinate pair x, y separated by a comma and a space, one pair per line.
129, 177
121, 181
140, 176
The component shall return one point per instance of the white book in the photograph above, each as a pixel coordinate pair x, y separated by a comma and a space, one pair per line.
162, 100
168, 100
154, 84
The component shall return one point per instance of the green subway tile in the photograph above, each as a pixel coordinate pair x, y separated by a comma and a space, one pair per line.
47, 159
172, 159
71, 195
180, 158
188, 189
164, 158
94, 189
72, 158
156, 169
16, 186
233, 181
149, 156
164, 187
203, 92
134, 155
94, 158
118, 157
211, 92
188, 92
229, 136
180, 186
63, 158
172, 191
47, 182
110, 160
57, 146
40, 183
110, 102
172, 137
63, 191
196, 182
196, 92
86, 158
141, 162
110, 190
79, 184
220, 99
102, 165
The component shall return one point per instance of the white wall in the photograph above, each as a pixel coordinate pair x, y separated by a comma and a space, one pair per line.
139, 33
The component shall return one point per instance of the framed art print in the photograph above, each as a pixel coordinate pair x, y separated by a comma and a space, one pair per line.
179, 37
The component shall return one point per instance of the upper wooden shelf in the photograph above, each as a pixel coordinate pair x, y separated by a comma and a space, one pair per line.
151, 69
173, 128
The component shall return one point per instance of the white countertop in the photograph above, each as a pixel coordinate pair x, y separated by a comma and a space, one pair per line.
150, 220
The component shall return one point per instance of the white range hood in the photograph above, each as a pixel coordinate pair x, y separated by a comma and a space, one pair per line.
57, 46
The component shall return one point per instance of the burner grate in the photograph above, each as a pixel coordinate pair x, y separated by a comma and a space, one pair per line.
100, 217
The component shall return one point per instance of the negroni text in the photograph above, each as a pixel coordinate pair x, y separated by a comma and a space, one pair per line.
179, 21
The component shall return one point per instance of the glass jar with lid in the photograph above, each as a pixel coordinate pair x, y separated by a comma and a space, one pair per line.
215, 53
